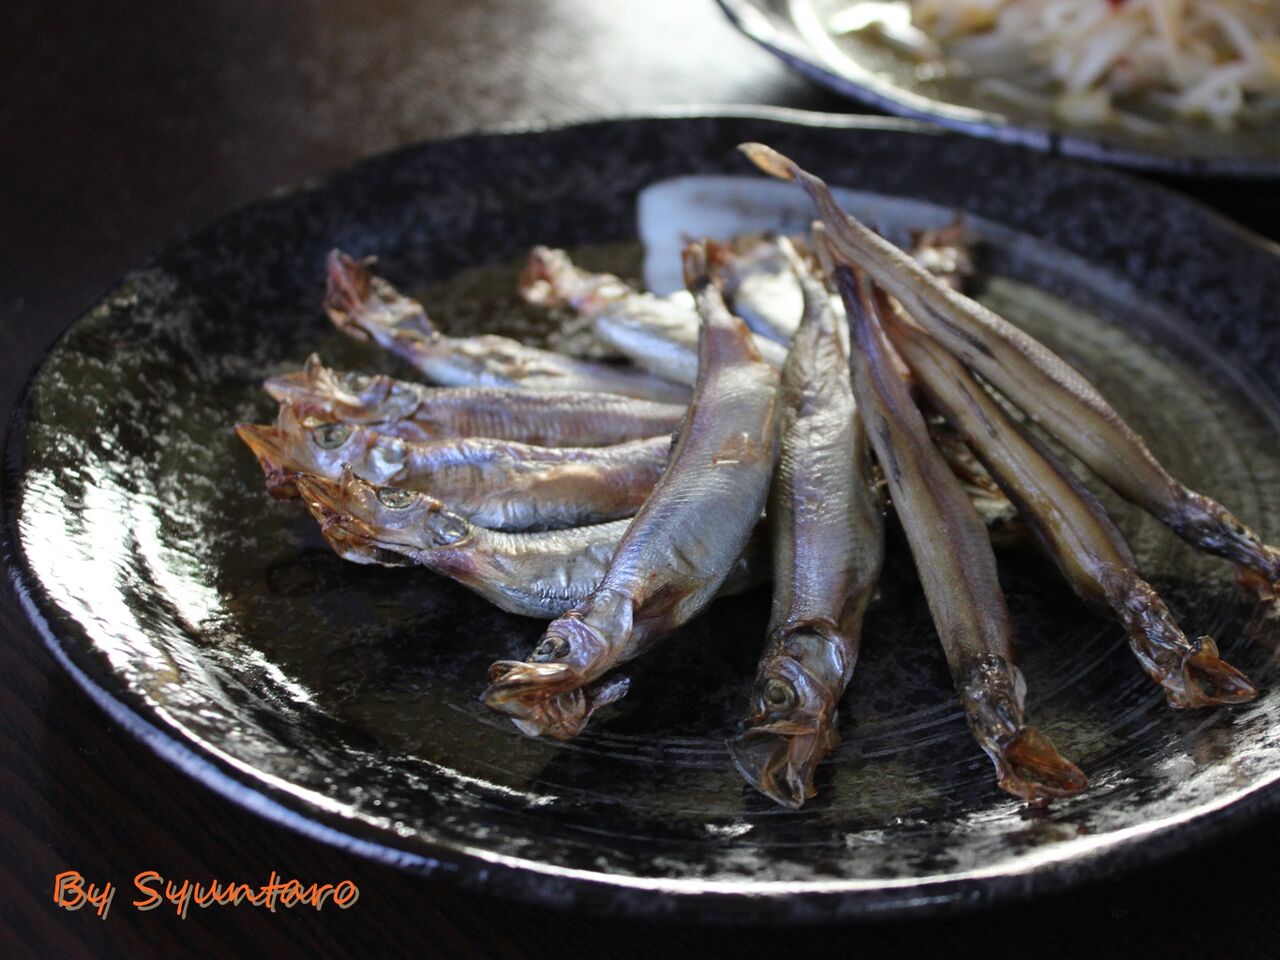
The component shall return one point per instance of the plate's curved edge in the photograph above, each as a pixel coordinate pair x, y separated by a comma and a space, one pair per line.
747, 18
535, 882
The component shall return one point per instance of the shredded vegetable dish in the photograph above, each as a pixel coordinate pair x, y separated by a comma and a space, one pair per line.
1089, 61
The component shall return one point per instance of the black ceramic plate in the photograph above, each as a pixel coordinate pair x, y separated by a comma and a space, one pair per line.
342, 700
868, 71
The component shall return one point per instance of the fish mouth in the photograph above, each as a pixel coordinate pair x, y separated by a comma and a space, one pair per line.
538, 279
1265, 587
289, 387
780, 759
324, 497
268, 445
347, 287
350, 537
548, 699
1030, 767
1208, 680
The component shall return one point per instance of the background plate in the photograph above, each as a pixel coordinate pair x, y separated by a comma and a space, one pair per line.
341, 700
795, 31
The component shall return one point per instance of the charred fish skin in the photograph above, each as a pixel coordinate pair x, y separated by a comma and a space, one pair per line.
827, 528
498, 484
657, 333
1047, 388
531, 574
419, 413
681, 545
1074, 530
367, 307
955, 562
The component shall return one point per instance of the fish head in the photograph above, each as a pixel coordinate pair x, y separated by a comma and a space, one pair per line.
792, 724
993, 693
1207, 680
1027, 763
1217, 529
552, 692
368, 519
548, 279
366, 307
541, 699
317, 390
272, 448
297, 445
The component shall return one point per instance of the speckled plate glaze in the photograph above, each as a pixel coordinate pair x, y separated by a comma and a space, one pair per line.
342, 700
868, 71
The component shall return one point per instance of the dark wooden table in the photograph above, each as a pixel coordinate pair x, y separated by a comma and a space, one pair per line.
125, 124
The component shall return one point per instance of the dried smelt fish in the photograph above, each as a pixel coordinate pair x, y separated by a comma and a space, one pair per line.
658, 333
498, 484
417, 412
828, 545
681, 545
538, 575
760, 286
954, 560
945, 252
367, 307
1004, 525
532, 574
1074, 529
1049, 390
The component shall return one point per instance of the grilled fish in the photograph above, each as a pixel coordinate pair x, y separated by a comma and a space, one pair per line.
681, 545
367, 307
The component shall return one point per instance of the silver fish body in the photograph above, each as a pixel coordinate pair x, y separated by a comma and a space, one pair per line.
1045, 387
369, 308
761, 287
498, 484
540, 575
679, 548
416, 412
828, 546
954, 559
657, 333
1074, 529
532, 574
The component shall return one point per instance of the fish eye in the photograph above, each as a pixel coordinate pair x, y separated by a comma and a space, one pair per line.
396, 498
446, 528
551, 648
779, 695
330, 436
355, 381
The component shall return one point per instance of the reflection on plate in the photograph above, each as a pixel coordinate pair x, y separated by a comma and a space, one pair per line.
859, 66
341, 700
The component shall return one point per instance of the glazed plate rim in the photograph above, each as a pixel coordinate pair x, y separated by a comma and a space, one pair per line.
599, 892
881, 94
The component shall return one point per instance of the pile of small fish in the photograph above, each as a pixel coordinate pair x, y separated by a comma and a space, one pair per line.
753, 437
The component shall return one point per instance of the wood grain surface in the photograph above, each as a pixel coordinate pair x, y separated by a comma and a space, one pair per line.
124, 124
